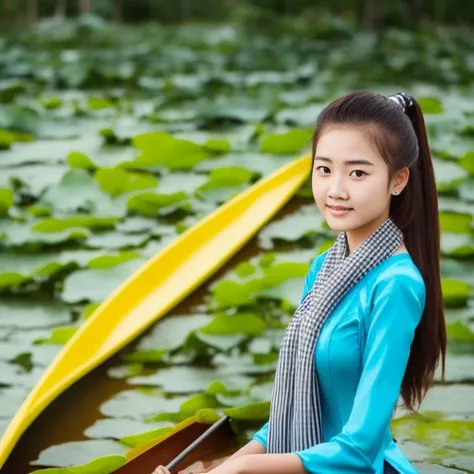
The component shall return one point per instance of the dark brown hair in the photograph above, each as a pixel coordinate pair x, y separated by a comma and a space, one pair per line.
402, 142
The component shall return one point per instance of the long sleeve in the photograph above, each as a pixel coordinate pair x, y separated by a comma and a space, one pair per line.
398, 305
262, 435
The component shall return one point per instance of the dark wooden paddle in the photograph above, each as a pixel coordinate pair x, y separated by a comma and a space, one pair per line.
194, 442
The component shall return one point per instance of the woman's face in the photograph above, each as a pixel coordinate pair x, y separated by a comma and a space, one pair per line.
349, 174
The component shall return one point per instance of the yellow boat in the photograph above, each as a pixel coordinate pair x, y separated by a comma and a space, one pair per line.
165, 280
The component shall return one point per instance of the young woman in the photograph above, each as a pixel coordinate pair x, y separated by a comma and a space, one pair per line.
370, 325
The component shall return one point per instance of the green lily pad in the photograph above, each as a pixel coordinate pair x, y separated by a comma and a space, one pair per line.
6, 201
198, 402
116, 181
455, 293
79, 160
117, 428
242, 364
12, 398
160, 148
450, 399
59, 336
234, 401
289, 291
454, 205
460, 331
219, 341
174, 182
18, 234
78, 191
117, 240
468, 162
227, 177
448, 174
466, 190
229, 292
10, 88
224, 183
428, 468
41, 151
96, 284
430, 105
20, 313
59, 225
141, 438
287, 143
258, 163
18, 118
108, 261
459, 368
207, 415
457, 245
240, 323
304, 116
34, 178
293, 227
452, 269
461, 462
452, 222
138, 224
167, 335
126, 370
138, 404
464, 314
102, 465
15, 374
190, 379
18, 267
79, 452
152, 204
239, 110
253, 411
262, 392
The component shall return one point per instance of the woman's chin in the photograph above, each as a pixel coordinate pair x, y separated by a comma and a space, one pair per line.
338, 224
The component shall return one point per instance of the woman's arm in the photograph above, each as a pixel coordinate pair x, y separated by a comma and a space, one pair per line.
252, 447
265, 464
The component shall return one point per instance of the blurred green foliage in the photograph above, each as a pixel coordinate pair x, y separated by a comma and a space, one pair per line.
266, 14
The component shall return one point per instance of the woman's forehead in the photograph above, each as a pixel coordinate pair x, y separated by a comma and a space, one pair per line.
341, 144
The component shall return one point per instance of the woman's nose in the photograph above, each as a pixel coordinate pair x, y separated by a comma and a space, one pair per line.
337, 190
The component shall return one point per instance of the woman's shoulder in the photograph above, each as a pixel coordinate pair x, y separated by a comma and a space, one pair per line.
397, 274
400, 266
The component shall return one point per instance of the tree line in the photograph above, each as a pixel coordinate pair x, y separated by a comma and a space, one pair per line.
368, 14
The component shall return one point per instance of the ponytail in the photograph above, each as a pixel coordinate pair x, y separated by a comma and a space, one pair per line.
416, 213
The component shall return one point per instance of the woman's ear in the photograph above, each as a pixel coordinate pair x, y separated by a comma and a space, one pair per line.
399, 181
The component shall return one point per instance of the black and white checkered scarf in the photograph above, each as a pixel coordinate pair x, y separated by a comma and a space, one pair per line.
295, 410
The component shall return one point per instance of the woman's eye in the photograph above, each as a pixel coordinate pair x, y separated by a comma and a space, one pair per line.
319, 168
362, 173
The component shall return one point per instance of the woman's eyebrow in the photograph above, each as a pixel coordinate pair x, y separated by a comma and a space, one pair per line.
348, 162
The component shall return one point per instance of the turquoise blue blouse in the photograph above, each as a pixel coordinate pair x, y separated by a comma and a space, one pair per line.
361, 357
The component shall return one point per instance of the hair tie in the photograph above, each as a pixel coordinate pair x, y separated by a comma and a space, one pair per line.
406, 102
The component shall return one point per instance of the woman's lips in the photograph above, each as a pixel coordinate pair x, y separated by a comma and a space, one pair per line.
339, 211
